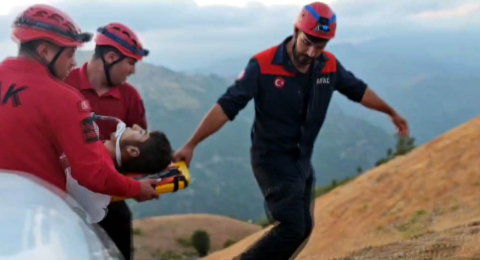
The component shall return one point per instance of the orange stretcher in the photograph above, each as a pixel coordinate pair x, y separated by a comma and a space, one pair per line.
175, 177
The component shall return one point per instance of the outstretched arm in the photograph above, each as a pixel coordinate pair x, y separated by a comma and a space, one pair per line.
227, 108
371, 100
211, 123
357, 91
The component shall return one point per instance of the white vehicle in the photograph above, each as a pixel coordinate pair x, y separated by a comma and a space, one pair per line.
39, 221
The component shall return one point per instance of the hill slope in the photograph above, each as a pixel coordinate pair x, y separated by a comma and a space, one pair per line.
457, 243
433, 188
154, 236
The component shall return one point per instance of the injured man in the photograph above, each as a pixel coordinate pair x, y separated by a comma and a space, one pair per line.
133, 150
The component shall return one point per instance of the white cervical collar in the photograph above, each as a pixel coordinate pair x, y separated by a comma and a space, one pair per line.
121, 126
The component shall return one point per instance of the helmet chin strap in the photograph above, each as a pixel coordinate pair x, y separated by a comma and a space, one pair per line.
121, 126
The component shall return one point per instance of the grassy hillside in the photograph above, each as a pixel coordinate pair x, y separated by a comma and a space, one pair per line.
432, 192
157, 237
456, 243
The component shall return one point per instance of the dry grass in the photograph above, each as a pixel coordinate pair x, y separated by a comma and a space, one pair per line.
161, 234
431, 192
460, 242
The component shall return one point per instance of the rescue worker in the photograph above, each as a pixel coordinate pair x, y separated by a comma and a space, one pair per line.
292, 84
42, 117
102, 81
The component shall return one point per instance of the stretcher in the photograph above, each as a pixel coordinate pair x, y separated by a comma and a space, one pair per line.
174, 178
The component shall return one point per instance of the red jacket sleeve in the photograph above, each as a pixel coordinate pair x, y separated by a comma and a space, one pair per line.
77, 136
136, 110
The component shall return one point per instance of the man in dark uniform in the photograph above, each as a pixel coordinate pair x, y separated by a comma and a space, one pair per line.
102, 81
292, 85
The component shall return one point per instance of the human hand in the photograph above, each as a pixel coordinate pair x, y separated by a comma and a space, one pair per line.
400, 124
147, 190
184, 154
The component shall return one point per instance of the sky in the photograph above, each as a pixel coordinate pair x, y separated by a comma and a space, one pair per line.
185, 34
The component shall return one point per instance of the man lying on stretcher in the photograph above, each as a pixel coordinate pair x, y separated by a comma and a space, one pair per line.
141, 152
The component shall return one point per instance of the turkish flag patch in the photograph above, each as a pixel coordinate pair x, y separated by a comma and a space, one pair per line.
84, 106
90, 130
279, 82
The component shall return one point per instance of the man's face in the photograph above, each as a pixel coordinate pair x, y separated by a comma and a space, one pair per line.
131, 135
121, 70
64, 63
141, 151
305, 51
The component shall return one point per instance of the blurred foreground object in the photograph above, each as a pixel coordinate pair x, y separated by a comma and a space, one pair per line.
39, 221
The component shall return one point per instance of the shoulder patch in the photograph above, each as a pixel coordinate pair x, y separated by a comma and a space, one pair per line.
90, 130
84, 106
331, 64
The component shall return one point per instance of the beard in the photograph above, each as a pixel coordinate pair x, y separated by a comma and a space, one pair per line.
301, 59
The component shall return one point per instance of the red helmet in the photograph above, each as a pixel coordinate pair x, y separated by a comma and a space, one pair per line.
122, 38
318, 20
48, 23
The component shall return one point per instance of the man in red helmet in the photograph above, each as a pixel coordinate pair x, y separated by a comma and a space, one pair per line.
102, 81
292, 85
42, 118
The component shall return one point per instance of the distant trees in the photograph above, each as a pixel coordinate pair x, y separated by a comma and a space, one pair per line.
321, 190
404, 145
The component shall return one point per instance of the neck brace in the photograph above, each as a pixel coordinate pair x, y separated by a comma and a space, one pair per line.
121, 126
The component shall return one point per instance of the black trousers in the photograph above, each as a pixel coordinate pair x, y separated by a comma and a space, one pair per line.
118, 225
289, 194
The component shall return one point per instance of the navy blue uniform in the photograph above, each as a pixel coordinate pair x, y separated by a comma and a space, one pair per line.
290, 109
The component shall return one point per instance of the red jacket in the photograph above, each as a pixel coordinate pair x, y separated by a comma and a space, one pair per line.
40, 119
123, 102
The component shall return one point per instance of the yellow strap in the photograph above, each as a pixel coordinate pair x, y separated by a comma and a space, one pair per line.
169, 187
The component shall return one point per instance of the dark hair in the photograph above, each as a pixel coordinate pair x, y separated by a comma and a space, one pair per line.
155, 155
313, 39
31, 46
101, 50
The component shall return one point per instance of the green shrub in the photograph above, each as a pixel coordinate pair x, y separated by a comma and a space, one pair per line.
201, 242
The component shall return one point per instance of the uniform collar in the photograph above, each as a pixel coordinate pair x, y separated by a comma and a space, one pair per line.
85, 83
281, 57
